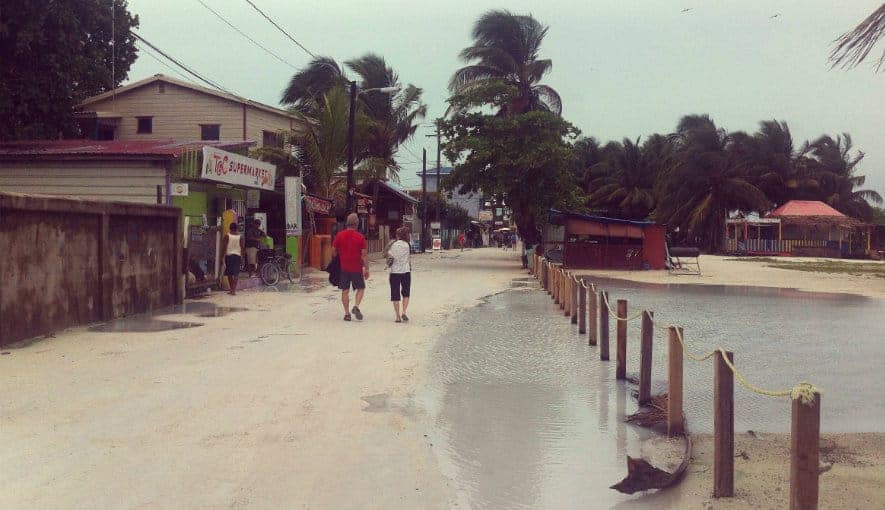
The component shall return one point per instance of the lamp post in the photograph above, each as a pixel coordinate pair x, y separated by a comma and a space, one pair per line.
351, 127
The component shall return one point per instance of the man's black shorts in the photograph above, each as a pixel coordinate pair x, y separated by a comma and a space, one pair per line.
348, 279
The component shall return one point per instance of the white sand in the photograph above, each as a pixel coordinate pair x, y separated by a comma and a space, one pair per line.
719, 270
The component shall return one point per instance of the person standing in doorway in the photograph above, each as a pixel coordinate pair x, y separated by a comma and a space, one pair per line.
353, 255
400, 274
233, 246
254, 236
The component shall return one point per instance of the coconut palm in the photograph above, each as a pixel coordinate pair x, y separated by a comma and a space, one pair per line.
853, 47
322, 145
707, 181
625, 187
834, 168
394, 118
777, 168
505, 49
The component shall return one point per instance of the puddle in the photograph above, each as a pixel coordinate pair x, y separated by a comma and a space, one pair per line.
524, 418
199, 308
141, 325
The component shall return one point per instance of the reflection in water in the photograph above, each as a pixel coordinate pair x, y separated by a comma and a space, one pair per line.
523, 410
779, 337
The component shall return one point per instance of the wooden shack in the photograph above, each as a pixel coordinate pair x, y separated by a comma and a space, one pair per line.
597, 242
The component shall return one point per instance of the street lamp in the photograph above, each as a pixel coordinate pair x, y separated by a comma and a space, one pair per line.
351, 126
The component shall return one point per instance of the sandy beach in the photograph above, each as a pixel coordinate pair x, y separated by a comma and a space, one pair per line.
723, 270
852, 474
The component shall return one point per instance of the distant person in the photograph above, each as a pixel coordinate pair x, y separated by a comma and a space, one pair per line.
254, 236
462, 240
232, 246
352, 251
400, 274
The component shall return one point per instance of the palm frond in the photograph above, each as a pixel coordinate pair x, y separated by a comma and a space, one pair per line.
853, 47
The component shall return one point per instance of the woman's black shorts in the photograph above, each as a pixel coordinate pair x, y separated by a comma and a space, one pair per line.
232, 265
400, 283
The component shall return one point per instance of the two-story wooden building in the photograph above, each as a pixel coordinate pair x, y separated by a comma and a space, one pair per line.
163, 108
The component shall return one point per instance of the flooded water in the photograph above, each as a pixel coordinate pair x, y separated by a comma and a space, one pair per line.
526, 417
779, 337
151, 322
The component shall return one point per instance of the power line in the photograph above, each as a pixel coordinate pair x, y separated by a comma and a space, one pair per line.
150, 54
253, 41
272, 22
179, 64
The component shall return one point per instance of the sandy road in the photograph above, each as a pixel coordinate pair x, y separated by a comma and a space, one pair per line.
281, 406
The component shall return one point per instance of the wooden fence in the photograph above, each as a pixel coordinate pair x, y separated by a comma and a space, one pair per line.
590, 308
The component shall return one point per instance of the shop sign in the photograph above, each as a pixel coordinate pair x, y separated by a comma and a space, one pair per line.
318, 205
485, 215
435, 225
179, 189
230, 168
437, 243
292, 191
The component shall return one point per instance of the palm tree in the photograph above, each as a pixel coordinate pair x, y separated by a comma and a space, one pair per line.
853, 47
626, 185
394, 119
777, 168
834, 168
505, 49
323, 144
707, 181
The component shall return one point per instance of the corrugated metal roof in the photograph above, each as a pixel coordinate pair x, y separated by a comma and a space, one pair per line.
396, 191
161, 149
805, 208
431, 172
556, 214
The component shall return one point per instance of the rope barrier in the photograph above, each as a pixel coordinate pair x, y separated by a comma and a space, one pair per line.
803, 391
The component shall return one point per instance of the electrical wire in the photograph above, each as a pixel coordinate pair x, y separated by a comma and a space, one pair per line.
253, 41
150, 54
272, 22
179, 64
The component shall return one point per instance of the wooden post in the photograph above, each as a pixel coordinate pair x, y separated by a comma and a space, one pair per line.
621, 354
804, 458
723, 427
645, 357
582, 308
556, 285
603, 326
563, 290
573, 300
592, 311
675, 426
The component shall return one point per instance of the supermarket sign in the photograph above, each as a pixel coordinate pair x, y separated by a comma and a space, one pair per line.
230, 168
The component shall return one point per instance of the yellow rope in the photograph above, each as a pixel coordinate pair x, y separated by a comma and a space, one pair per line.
803, 391
615, 315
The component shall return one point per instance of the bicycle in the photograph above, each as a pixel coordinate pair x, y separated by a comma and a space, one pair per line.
274, 267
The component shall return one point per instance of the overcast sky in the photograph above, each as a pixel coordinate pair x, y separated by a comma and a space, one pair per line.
624, 68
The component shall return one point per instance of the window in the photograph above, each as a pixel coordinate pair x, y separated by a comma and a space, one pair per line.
270, 139
210, 131
145, 125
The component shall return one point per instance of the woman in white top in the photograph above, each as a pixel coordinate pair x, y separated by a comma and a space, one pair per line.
233, 246
400, 273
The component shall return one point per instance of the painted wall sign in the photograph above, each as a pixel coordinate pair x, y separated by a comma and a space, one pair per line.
292, 189
223, 166
318, 205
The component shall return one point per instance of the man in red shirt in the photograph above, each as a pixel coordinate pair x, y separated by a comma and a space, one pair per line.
353, 255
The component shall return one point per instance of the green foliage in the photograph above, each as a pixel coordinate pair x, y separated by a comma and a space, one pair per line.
505, 49
524, 159
450, 215
55, 54
391, 119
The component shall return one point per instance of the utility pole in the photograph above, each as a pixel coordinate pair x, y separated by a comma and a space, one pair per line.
438, 186
350, 135
424, 201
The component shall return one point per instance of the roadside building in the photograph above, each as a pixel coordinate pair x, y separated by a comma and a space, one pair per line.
596, 242
807, 228
384, 208
163, 108
472, 202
